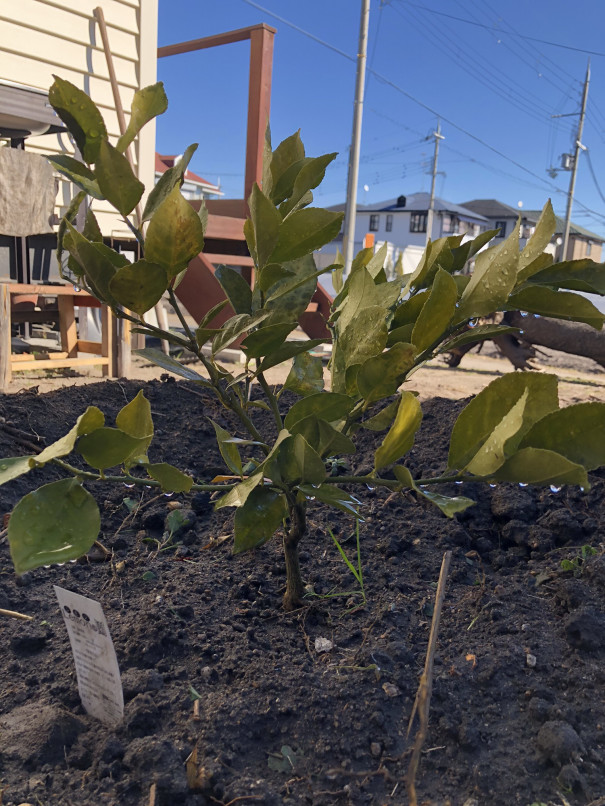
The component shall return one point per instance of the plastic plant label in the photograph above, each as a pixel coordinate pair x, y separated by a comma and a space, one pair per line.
99, 683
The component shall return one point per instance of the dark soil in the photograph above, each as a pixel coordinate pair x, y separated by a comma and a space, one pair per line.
518, 705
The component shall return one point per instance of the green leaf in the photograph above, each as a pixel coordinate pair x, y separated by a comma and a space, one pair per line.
384, 418
437, 312
333, 496
235, 327
305, 231
539, 264
77, 173
310, 176
147, 104
365, 293
175, 234
408, 312
541, 467
228, 449
213, 312
479, 418
172, 365
400, 437
289, 350
306, 376
91, 230
298, 462
576, 432
108, 447
290, 152
299, 289
236, 288
556, 304
99, 263
364, 337
237, 496
86, 423
135, 417
266, 221
258, 519
69, 217
449, 505
56, 523
80, 115
330, 406
271, 274
479, 333
576, 275
172, 480
11, 467
139, 286
322, 437
501, 443
492, 280
382, 375
167, 182
545, 229
267, 339
116, 179
467, 250
438, 254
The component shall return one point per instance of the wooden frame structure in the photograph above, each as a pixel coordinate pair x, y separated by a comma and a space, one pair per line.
199, 290
101, 353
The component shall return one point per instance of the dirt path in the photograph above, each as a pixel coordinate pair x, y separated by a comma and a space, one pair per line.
576, 384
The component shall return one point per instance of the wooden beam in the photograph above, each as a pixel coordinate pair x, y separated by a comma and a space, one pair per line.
228, 260
60, 363
46, 290
110, 369
94, 347
259, 103
239, 35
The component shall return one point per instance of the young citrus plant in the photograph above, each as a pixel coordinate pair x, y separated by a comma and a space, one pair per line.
383, 331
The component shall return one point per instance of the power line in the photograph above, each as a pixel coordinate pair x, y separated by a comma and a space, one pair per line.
505, 33
408, 95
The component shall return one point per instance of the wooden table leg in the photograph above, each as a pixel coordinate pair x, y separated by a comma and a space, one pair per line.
5, 337
107, 342
67, 325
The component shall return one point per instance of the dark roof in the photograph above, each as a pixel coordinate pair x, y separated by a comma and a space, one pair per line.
534, 215
415, 202
492, 208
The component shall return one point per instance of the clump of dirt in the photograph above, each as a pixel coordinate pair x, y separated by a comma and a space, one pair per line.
284, 717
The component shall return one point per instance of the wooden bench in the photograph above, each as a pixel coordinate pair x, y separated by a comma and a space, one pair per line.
12, 295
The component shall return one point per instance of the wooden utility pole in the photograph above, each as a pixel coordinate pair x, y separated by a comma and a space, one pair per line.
574, 169
351, 204
429, 219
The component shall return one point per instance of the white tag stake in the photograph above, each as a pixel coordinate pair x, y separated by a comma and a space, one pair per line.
97, 668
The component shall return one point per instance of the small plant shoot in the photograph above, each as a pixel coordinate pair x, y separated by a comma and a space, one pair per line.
382, 330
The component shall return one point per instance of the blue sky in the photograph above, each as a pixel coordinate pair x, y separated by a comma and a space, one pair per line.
482, 77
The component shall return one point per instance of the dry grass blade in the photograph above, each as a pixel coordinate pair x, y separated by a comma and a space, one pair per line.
423, 695
14, 614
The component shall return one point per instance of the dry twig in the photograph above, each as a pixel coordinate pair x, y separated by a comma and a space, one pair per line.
14, 614
423, 695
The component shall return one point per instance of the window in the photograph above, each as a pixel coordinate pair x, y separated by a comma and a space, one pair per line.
588, 248
418, 222
450, 225
374, 223
502, 226
389, 226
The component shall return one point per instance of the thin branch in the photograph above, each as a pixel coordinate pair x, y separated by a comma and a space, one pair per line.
272, 401
423, 695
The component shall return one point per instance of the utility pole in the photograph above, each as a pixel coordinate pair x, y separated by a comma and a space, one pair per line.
429, 219
574, 170
351, 203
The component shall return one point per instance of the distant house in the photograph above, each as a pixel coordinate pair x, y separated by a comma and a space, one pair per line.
194, 187
402, 223
582, 242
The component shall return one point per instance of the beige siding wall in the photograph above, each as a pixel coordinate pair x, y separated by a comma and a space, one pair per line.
39, 38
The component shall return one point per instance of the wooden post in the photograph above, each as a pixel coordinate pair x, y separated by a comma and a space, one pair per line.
259, 103
109, 370
5, 337
67, 326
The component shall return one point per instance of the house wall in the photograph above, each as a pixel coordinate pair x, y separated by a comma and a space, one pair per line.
400, 234
39, 38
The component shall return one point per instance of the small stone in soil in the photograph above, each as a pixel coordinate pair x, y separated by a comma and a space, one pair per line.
559, 742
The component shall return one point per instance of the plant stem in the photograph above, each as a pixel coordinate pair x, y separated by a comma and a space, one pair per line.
182, 320
296, 530
85, 474
272, 401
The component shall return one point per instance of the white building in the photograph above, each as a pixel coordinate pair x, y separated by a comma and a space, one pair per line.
194, 186
402, 223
